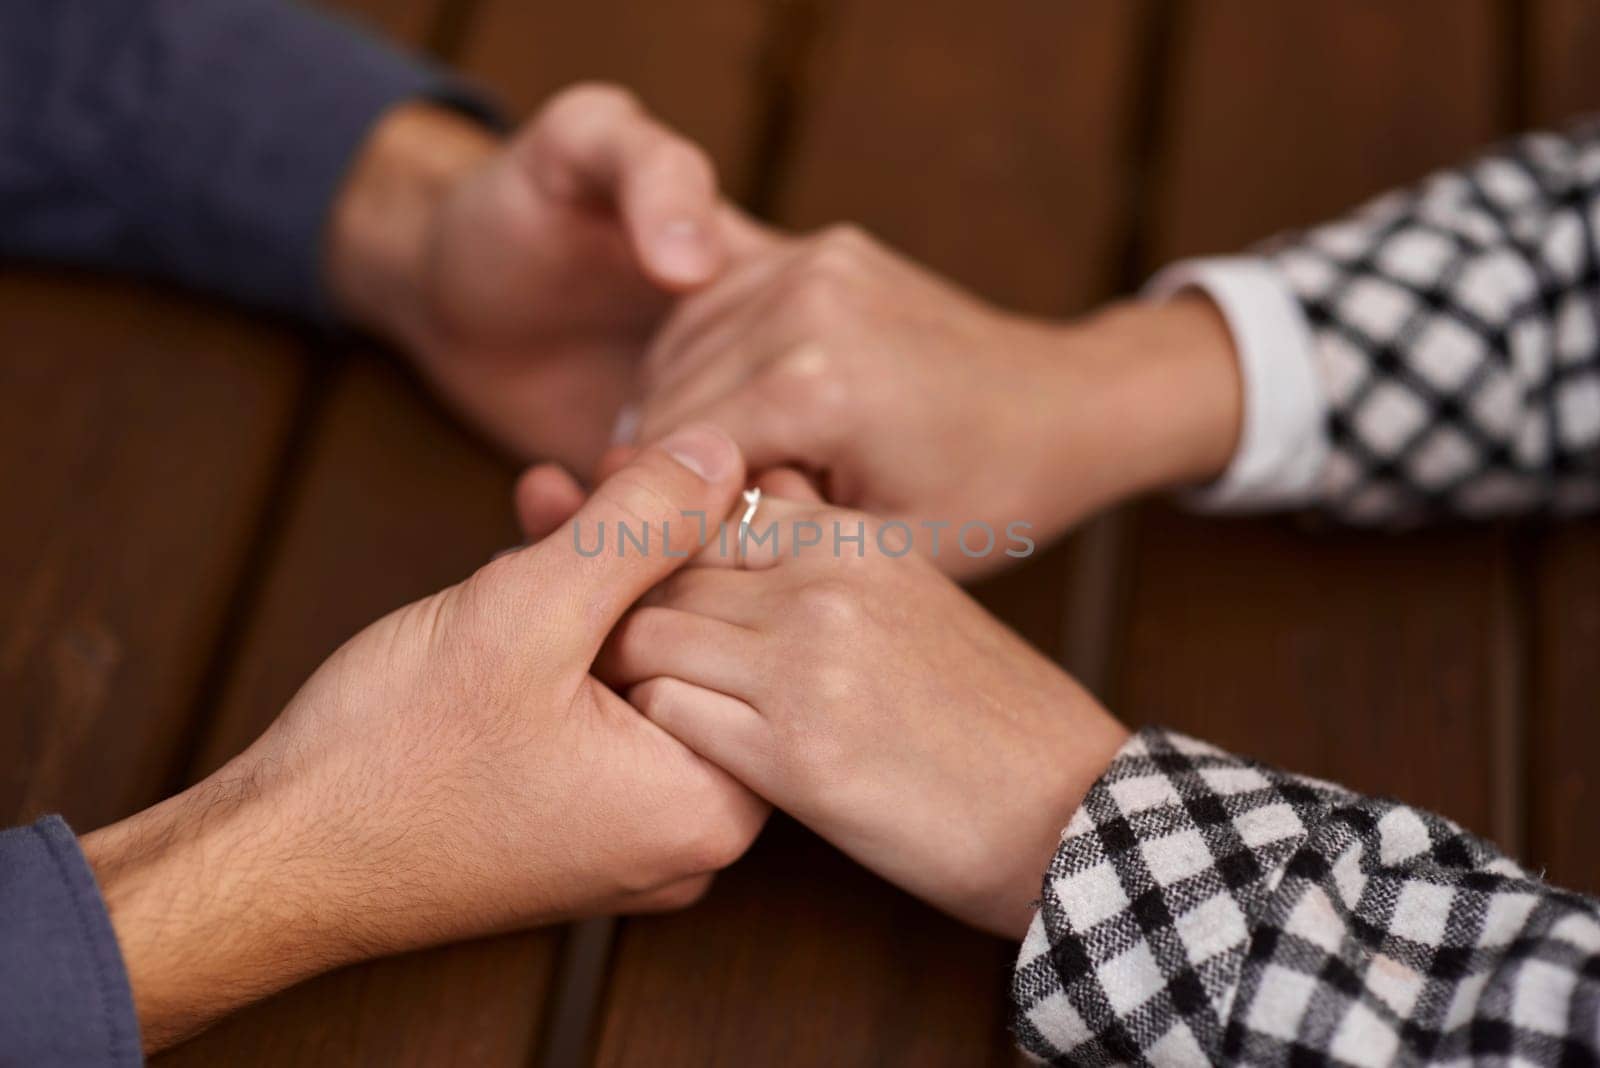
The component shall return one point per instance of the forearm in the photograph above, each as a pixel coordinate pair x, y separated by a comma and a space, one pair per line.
214, 905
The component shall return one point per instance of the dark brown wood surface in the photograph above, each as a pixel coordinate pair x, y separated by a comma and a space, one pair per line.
1562, 565
1364, 658
208, 505
127, 414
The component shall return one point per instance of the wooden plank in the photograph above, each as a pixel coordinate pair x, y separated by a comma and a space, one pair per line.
1562, 38
1564, 710
697, 65
1564, 720
968, 143
796, 959
989, 147
395, 501
139, 433
1282, 115
1364, 658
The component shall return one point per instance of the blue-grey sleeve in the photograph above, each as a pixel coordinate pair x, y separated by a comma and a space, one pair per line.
64, 995
197, 141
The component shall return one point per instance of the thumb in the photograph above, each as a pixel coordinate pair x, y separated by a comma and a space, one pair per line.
638, 526
598, 142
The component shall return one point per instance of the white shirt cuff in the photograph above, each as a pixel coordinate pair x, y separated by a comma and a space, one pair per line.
1284, 440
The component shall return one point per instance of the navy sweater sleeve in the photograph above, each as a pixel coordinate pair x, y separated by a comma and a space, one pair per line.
197, 141
64, 996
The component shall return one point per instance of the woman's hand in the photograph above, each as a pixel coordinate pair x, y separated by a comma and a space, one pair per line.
869, 697
453, 770
910, 399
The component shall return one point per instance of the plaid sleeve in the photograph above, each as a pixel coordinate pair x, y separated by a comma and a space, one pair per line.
1455, 331
1203, 908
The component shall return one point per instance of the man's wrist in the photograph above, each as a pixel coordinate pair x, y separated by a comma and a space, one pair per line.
382, 221
211, 904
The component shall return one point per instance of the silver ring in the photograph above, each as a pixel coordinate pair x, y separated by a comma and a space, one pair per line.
752, 501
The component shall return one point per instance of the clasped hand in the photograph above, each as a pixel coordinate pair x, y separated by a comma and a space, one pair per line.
867, 695
563, 734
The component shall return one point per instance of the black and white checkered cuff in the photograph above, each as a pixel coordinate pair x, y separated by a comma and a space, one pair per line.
1203, 908
1145, 917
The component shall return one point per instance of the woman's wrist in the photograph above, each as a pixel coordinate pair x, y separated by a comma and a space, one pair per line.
380, 226
1083, 752
1154, 400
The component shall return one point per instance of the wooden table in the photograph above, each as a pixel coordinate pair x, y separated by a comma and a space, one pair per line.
203, 506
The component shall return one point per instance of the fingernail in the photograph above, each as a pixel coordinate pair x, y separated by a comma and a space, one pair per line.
682, 252
626, 427
702, 449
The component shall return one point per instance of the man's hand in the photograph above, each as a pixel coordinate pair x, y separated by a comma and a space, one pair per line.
912, 400
873, 700
525, 277
453, 770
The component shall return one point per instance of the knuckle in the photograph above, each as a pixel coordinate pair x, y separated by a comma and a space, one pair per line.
595, 98
833, 255
845, 239
718, 845
810, 379
830, 606
718, 838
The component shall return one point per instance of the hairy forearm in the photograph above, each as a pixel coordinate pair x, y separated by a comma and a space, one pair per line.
380, 225
212, 906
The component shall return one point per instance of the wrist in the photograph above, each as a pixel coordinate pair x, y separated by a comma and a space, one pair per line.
212, 905
1074, 760
1156, 398
382, 222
